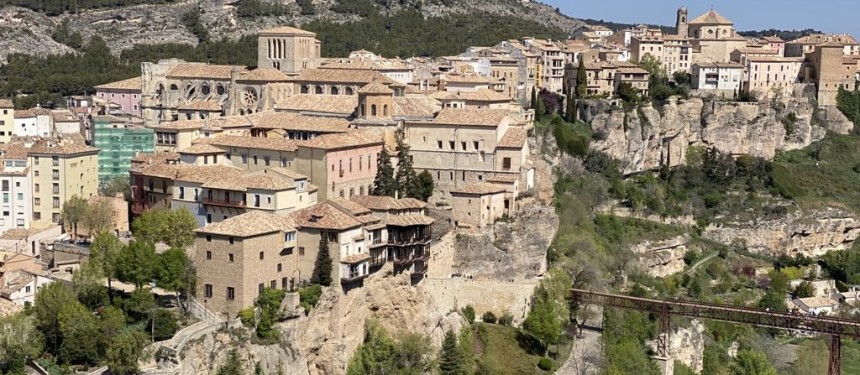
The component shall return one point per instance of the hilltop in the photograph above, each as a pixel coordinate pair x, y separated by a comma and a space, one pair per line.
434, 26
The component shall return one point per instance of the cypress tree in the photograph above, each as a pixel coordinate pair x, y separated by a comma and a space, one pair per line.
384, 183
406, 180
451, 360
581, 81
534, 98
323, 265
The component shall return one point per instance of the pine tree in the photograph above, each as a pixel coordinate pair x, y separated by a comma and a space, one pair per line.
384, 183
451, 360
323, 265
406, 179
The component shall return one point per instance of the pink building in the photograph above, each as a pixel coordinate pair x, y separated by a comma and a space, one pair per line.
341, 165
124, 94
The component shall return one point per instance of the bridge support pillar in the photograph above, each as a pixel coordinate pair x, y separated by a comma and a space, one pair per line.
835, 367
667, 365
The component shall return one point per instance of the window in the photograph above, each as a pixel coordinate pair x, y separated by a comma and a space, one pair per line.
36, 186
37, 201
463, 145
55, 188
439, 144
5, 185
260, 287
181, 192
506, 163
231, 240
55, 161
475, 143
255, 159
5, 213
273, 284
55, 203
230, 257
244, 159
207, 290
290, 236
20, 196
280, 268
5, 197
208, 255
231, 293
55, 217
451, 144
262, 255
301, 251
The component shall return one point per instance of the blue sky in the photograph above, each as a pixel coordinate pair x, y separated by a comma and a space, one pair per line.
830, 16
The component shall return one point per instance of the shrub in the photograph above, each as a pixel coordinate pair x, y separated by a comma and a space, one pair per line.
309, 296
507, 319
469, 313
248, 317
690, 257
489, 317
166, 324
545, 364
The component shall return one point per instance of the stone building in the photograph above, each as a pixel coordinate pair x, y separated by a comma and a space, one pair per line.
769, 76
126, 94
830, 68
60, 169
342, 165
288, 50
238, 257
478, 205
604, 77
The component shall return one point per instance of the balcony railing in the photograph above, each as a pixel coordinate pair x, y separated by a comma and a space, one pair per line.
407, 240
407, 258
223, 202
353, 277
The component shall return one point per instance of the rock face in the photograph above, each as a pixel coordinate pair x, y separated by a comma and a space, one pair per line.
811, 234
687, 345
648, 138
205, 356
509, 251
663, 258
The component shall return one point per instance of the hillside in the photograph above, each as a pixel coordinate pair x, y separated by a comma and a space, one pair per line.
411, 25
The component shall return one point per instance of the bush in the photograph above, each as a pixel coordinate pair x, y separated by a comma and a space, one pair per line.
545, 364
507, 319
309, 296
166, 324
469, 313
489, 317
690, 257
248, 317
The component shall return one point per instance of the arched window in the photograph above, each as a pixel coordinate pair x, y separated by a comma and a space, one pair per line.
174, 87
362, 110
334, 90
385, 110
250, 111
241, 112
348, 91
318, 90
219, 89
361, 190
305, 89
373, 110
204, 89
351, 192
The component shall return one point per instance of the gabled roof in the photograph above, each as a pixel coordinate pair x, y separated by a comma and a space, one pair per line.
375, 87
295, 121
263, 143
249, 224
409, 220
266, 181
200, 70
134, 83
711, 17
480, 188
348, 76
386, 203
201, 105
350, 206
513, 138
200, 149
263, 75
6, 103
343, 140
334, 104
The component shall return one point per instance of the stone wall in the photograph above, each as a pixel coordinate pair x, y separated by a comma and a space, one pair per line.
483, 295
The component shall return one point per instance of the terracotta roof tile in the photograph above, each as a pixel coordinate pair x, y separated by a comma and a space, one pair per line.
259, 143
200, 149
355, 258
351, 76
415, 106
350, 206
343, 140
323, 216
201, 105
263, 75
711, 18
244, 182
513, 138
482, 95
334, 104
470, 78
409, 220
286, 30
375, 87
249, 224
295, 121
134, 83
481, 188
507, 178
386, 203
63, 147
14, 150
471, 116
201, 70
6, 103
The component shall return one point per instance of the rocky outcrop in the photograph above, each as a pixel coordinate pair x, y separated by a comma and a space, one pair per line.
512, 251
661, 258
648, 138
206, 355
687, 345
811, 234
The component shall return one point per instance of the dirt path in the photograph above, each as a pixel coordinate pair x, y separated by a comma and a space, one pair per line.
586, 356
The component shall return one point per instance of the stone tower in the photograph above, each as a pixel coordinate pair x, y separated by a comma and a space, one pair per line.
288, 49
375, 101
681, 22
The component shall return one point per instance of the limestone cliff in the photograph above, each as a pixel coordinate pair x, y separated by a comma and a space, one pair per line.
661, 258
649, 137
812, 234
687, 345
513, 251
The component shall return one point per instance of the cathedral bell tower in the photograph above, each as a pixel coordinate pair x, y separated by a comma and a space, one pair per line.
681, 22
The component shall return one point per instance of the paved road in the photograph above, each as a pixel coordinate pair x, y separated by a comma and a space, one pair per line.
586, 355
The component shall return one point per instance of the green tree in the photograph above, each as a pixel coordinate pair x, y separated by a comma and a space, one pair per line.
384, 183
406, 179
269, 303
81, 335
73, 212
139, 306
19, 341
99, 216
749, 362
137, 263
533, 100
172, 272
233, 364
111, 323
149, 225
179, 228
50, 301
376, 353
124, 351
628, 93
116, 186
773, 301
543, 322
323, 266
163, 324
192, 22
804, 289
581, 88
425, 186
451, 360
104, 251
89, 285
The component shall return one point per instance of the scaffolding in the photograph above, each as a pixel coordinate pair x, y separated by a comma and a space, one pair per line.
118, 142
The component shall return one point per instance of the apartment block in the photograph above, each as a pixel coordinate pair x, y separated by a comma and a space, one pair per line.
60, 169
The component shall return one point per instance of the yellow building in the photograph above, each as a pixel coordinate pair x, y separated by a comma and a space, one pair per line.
60, 170
7, 120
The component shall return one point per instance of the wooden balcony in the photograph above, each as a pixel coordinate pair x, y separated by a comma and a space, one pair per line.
222, 202
408, 240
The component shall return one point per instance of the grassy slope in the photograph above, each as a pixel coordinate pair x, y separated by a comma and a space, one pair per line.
504, 350
822, 174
